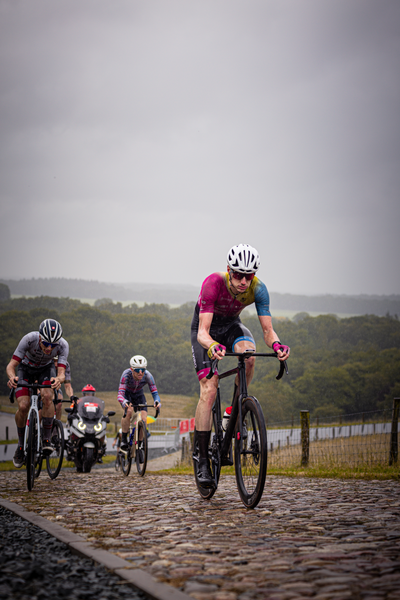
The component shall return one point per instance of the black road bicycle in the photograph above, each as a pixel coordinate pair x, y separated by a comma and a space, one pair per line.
33, 448
246, 429
137, 443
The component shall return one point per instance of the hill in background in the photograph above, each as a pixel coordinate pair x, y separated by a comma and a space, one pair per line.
180, 294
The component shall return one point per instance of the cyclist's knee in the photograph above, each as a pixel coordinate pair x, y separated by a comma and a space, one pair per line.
23, 404
208, 391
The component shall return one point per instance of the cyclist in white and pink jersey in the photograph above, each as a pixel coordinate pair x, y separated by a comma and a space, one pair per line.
33, 358
130, 393
216, 326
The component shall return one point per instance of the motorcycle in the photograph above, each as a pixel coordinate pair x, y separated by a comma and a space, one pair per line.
87, 425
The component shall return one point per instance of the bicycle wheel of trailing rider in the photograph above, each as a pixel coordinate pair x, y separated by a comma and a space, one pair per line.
55, 460
126, 461
251, 461
142, 450
215, 462
31, 451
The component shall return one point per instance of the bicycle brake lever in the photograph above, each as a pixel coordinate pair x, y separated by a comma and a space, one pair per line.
283, 368
11, 396
213, 369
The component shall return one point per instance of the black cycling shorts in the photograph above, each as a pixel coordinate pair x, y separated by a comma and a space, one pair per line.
27, 374
227, 334
136, 399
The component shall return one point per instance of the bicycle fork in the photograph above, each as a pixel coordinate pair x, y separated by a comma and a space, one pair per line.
33, 408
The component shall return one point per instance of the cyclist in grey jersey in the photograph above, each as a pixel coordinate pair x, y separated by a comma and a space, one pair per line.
33, 361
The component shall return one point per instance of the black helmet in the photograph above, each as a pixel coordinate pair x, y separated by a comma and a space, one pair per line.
50, 330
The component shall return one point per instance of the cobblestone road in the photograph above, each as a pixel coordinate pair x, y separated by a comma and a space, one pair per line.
319, 538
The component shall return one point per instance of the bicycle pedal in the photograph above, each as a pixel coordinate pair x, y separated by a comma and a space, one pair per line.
226, 462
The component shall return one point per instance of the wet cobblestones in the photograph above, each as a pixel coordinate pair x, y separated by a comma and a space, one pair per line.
308, 538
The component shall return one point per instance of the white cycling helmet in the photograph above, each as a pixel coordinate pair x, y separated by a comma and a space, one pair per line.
243, 258
138, 362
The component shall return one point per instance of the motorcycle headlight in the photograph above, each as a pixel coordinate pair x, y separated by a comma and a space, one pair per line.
81, 426
98, 427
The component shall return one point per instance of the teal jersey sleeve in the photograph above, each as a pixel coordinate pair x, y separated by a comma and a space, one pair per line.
261, 298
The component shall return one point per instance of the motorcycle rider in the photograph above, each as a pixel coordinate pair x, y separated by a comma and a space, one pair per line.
33, 360
130, 390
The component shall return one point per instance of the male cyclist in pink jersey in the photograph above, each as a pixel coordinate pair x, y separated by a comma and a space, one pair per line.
216, 326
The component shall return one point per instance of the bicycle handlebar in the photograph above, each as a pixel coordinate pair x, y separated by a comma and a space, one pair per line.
246, 354
141, 406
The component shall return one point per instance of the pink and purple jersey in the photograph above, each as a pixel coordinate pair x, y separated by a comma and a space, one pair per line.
216, 297
130, 385
29, 352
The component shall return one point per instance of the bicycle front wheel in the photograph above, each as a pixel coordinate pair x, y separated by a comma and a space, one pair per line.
55, 460
251, 462
126, 462
141, 452
32, 449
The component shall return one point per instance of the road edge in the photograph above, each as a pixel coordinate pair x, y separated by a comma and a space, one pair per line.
78, 545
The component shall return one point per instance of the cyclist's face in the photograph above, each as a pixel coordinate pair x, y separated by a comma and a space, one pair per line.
137, 375
45, 349
240, 285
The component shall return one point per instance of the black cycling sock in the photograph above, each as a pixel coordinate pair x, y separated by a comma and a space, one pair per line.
21, 435
47, 423
124, 437
203, 439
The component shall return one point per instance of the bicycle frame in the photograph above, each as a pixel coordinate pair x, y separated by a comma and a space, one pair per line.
33, 407
225, 440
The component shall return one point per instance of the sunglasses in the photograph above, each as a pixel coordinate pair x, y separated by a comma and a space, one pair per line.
48, 344
139, 370
238, 275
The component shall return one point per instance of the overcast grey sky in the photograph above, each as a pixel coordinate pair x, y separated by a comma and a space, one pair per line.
140, 139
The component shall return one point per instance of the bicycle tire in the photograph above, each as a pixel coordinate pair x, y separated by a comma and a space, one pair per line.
215, 459
31, 450
251, 463
38, 469
126, 462
55, 460
141, 466
87, 459
117, 464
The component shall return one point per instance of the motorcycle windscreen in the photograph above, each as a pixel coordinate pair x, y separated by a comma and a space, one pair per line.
91, 408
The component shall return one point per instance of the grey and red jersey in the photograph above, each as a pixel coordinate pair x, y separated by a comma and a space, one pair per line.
29, 352
129, 384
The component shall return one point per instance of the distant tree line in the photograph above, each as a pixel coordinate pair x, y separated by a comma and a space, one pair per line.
337, 366
175, 294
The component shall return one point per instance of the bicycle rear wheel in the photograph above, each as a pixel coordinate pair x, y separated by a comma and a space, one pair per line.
31, 451
215, 461
126, 461
251, 463
141, 452
55, 460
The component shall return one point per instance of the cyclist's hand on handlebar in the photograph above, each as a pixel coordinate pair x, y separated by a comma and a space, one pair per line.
157, 404
55, 383
12, 382
281, 350
216, 351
